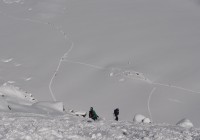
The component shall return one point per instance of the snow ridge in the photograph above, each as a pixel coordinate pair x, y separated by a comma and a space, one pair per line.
16, 92
13, 99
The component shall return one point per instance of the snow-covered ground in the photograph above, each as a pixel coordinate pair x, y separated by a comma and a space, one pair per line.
29, 126
139, 56
24, 117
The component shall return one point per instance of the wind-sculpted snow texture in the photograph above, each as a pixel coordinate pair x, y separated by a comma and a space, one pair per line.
10, 92
28, 126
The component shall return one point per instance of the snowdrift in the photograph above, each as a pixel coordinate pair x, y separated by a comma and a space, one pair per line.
185, 123
49, 107
14, 94
138, 118
14, 99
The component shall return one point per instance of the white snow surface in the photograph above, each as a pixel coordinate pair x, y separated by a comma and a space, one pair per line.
12, 93
104, 54
21, 117
186, 123
138, 118
146, 120
29, 126
14, 99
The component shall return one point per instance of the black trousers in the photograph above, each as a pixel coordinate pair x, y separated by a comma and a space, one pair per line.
116, 118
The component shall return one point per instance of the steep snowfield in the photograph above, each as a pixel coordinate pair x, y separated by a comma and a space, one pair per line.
29, 126
14, 99
23, 117
140, 56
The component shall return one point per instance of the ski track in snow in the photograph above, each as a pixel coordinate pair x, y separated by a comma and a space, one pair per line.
56, 72
85, 64
177, 87
148, 103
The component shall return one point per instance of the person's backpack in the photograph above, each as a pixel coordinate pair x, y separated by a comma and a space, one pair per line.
116, 112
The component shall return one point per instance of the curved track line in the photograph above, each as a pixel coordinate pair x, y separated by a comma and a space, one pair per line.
57, 69
177, 87
148, 103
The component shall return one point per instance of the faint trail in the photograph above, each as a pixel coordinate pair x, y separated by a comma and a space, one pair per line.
170, 86
64, 34
177, 87
85, 64
174, 100
149, 99
57, 69
56, 28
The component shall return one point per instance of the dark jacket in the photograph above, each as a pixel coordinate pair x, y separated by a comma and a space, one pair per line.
93, 115
116, 112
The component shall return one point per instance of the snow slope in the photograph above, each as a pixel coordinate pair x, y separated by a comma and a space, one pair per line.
29, 126
14, 99
107, 44
23, 117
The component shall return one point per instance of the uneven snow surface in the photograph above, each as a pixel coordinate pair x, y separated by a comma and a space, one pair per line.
138, 54
28, 126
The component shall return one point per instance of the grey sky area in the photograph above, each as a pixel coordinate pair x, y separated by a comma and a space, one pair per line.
112, 39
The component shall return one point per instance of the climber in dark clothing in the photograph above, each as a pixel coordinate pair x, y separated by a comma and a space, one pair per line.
92, 114
116, 113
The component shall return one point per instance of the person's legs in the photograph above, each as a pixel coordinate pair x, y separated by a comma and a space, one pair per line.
116, 118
